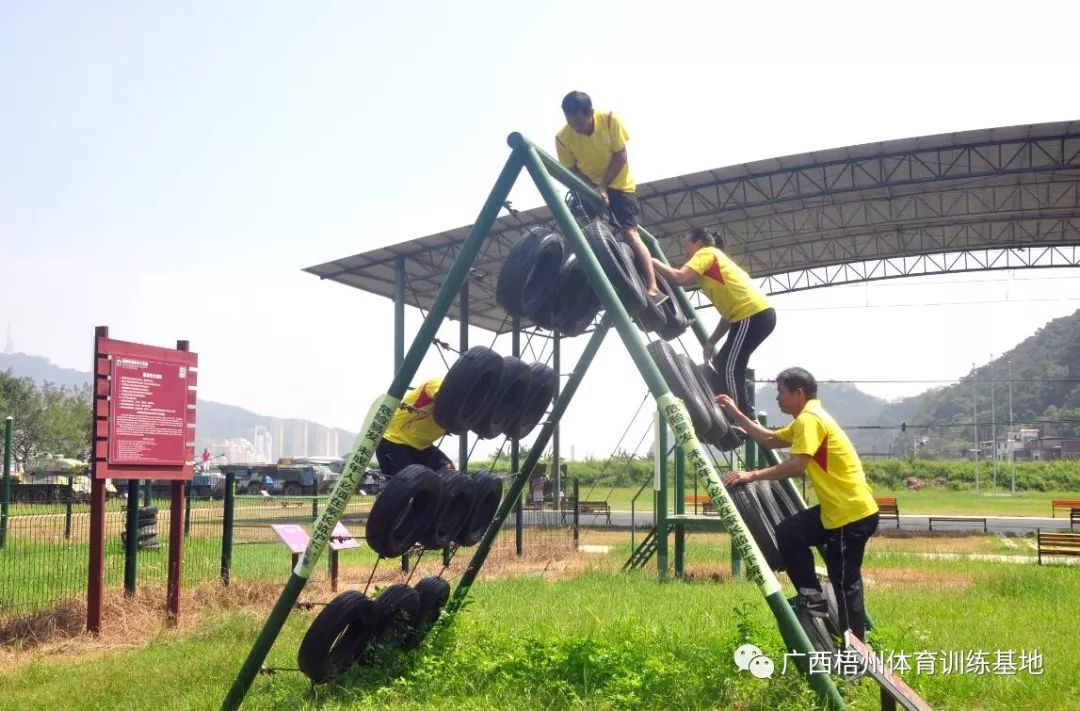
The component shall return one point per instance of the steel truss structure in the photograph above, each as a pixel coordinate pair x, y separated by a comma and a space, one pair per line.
1001, 198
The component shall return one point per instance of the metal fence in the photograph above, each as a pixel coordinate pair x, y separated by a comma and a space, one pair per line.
44, 561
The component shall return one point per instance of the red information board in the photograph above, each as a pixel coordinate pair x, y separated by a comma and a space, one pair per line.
148, 412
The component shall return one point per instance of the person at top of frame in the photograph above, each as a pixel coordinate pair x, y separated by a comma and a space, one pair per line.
847, 515
593, 146
745, 315
411, 435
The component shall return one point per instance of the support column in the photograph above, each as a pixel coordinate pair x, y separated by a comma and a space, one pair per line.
556, 462
660, 501
399, 341
5, 489
680, 509
515, 453
463, 438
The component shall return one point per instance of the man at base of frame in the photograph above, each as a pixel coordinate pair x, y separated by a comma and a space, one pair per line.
847, 515
411, 435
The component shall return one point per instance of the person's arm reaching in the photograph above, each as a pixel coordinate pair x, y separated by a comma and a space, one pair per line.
718, 333
683, 276
792, 466
762, 435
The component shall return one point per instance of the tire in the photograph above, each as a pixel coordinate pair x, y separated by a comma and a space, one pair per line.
539, 286
816, 630
337, 635
621, 273
675, 321
488, 488
401, 511
541, 393
773, 514
576, 303
652, 318
22, 496
753, 516
730, 441
715, 417
434, 592
293, 489
254, 488
720, 425
834, 611
455, 508
399, 616
665, 360
537, 245
40, 496
468, 390
148, 513
509, 398
784, 501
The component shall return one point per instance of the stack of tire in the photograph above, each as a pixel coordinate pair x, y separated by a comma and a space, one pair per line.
147, 528
687, 382
543, 282
763, 504
354, 629
492, 395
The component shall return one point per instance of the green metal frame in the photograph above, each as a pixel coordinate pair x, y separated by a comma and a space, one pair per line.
540, 167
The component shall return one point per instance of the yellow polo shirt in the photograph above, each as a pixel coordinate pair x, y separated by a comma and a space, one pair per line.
834, 466
413, 424
592, 153
726, 284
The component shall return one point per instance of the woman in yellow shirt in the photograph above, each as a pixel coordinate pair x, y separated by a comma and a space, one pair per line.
745, 315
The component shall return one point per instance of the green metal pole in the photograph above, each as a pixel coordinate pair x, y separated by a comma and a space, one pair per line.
131, 543
680, 509
463, 438
556, 458
762, 460
515, 452
187, 510
577, 513
660, 509
751, 455
375, 423
5, 490
535, 452
675, 413
228, 517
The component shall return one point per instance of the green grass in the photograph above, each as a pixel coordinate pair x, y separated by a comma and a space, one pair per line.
604, 641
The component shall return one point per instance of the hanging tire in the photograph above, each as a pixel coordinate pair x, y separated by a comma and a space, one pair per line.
764, 492
433, 592
337, 635
675, 321
538, 247
399, 615
719, 426
664, 357
753, 516
730, 441
816, 630
576, 303
690, 374
788, 506
541, 393
402, 510
621, 273
488, 494
509, 398
652, 318
539, 286
455, 507
468, 390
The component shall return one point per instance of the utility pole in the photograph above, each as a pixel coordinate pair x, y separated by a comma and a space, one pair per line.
975, 411
1012, 435
993, 428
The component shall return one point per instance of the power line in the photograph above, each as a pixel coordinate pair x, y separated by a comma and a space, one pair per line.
966, 380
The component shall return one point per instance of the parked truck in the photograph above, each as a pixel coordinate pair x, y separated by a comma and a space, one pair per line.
274, 479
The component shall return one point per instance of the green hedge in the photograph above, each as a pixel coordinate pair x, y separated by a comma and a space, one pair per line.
1062, 474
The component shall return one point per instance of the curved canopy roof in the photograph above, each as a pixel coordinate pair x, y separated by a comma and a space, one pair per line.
985, 199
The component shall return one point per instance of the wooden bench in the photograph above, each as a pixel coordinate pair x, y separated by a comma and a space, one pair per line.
958, 519
595, 508
887, 508
1066, 504
1057, 544
700, 503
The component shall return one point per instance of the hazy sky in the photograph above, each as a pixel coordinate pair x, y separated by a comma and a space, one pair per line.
167, 169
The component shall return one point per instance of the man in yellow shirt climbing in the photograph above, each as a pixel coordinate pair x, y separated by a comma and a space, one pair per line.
592, 145
745, 315
847, 515
411, 435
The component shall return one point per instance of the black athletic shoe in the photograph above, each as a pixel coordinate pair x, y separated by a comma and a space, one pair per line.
658, 298
813, 601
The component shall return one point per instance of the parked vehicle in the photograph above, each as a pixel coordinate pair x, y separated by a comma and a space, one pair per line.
52, 478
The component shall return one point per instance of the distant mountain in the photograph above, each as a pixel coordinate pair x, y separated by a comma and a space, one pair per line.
851, 407
214, 420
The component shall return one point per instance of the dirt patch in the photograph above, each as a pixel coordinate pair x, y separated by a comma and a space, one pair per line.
878, 577
129, 623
